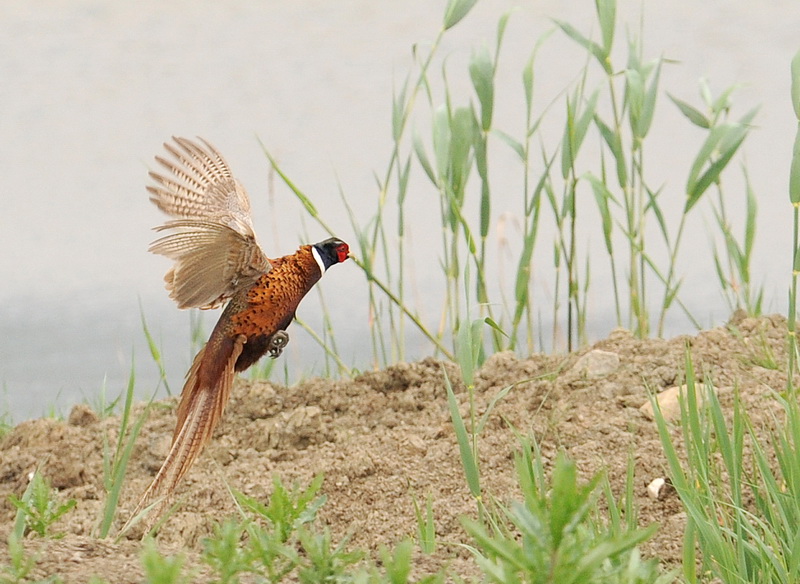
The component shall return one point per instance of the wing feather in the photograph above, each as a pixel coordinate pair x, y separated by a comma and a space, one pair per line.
211, 239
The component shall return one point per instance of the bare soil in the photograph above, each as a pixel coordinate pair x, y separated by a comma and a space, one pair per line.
385, 437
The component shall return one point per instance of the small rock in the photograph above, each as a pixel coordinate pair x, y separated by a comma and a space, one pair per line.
597, 363
82, 415
655, 486
669, 404
416, 445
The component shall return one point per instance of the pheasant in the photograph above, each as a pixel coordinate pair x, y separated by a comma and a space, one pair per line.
218, 260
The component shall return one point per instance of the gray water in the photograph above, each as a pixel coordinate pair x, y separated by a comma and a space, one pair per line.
90, 90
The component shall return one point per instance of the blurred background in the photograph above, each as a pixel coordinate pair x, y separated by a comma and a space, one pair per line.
91, 89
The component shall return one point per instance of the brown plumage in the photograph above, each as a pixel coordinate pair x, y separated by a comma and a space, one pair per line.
218, 260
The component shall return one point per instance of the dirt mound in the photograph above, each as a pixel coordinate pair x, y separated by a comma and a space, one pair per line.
385, 437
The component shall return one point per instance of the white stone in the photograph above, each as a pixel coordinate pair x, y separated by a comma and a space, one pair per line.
597, 363
669, 402
655, 486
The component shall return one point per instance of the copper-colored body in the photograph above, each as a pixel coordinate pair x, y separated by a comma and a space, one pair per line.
217, 259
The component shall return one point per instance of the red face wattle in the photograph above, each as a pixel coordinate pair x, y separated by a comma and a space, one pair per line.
342, 252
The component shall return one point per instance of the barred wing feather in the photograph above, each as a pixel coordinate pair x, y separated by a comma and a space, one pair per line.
211, 239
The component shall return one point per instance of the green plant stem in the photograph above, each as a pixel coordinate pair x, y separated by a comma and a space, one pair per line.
329, 351
414, 318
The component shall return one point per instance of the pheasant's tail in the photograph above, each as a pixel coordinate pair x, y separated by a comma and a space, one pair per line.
207, 389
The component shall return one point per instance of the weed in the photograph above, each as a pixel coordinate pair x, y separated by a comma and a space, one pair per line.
738, 542
760, 353
159, 569
560, 540
426, 528
271, 539
39, 508
20, 564
115, 464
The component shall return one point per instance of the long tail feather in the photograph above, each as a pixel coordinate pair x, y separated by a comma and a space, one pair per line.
207, 389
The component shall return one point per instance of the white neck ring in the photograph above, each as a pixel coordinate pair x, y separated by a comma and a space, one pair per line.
318, 259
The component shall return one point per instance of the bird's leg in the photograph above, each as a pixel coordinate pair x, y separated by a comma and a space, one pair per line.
277, 343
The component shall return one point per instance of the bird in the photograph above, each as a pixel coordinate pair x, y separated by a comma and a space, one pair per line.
218, 261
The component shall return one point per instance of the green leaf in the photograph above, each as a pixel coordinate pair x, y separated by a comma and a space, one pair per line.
586, 118
796, 263
442, 137
649, 104
794, 173
652, 205
606, 14
426, 526
456, 10
463, 127
312, 210
712, 174
750, 220
467, 456
528, 75
527, 82
482, 165
575, 129
614, 141
398, 112
705, 93
724, 101
796, 84
468, 347
721, 144
481, 71
422, 156
693, 114
501, 30
515, 145
602, 196
634, 95
596, 50
495, 326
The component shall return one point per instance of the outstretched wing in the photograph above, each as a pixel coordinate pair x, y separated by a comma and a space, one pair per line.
211, 239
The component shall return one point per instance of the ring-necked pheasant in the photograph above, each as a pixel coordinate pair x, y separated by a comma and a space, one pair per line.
218, 260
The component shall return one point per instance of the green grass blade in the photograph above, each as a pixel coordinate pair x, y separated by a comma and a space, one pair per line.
154, 352
602, 197
794, 172
422, 157
692, 114
614, 141
118, 465
796, 84
426, 527
468, 461
514, 144
481, 71
18, 531
456, 10
649, 104
606, 15
596, 50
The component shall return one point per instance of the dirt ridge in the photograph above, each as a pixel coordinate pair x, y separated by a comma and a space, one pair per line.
384, 437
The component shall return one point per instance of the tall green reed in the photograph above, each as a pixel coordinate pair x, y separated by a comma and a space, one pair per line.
450, 140
794, 197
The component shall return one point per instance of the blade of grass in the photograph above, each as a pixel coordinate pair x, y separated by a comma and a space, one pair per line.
468, 460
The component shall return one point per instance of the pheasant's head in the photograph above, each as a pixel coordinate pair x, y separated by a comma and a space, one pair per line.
329, 252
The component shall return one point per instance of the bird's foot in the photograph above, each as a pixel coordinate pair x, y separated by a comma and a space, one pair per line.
276, 344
